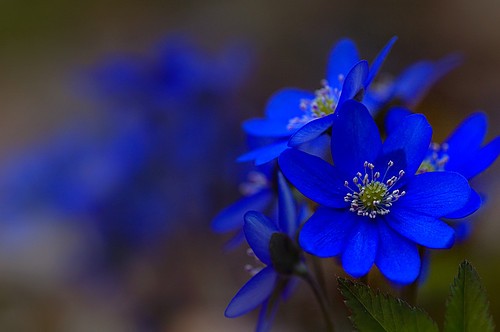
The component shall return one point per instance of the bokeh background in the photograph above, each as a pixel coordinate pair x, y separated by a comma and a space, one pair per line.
120, 124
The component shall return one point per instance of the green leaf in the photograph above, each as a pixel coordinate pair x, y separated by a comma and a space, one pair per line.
467, 308
374, 311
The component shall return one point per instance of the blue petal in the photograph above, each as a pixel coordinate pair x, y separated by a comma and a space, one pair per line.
264, 154
313, 177
394, 117
311, 130
473, 204
342, 58
355, 138
397, 258
422, 229
407, 146
254, 292
480, 160
354, 81
285, 104
235, 241
232, 216
359, 253
435, 194
258, 230
268, 127
379, 60
288, 220
465, 140
417, 79
325, 234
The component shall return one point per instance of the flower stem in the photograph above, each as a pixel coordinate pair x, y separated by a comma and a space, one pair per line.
409, 293
320, 297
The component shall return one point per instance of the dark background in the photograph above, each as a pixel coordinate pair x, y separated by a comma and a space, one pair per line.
183, 281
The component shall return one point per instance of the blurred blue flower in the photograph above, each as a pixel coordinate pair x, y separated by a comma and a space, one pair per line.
271, 243
296, 116
120, 171
410, 86
382, 215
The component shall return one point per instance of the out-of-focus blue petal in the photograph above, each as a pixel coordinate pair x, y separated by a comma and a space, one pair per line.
354, 81
420, 228
313, 177
311, 130
397, 258
473, 204
288, 220
232, 216
326, 233
258, 231
480, 160
235, 241
361, 248
264, 154
416, 80
253, 293
355, 138
285, 104
407, 146
267, 127
465, 140
394, 118
342, 58
379, 60
434, 194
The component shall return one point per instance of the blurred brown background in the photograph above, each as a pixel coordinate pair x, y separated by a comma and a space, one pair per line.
185, 283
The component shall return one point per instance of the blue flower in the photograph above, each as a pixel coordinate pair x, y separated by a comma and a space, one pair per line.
302, 116
271, 243
381, 215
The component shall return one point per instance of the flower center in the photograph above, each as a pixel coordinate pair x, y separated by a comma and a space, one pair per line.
436, 159
324, 103
371, 195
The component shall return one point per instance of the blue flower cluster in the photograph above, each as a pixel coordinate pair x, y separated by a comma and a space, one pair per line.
375, 201
120, 170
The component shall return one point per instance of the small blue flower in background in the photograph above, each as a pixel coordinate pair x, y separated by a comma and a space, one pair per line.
373, 208
296, 116
273, 244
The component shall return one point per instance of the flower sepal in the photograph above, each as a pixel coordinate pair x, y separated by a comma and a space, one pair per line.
285, 255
